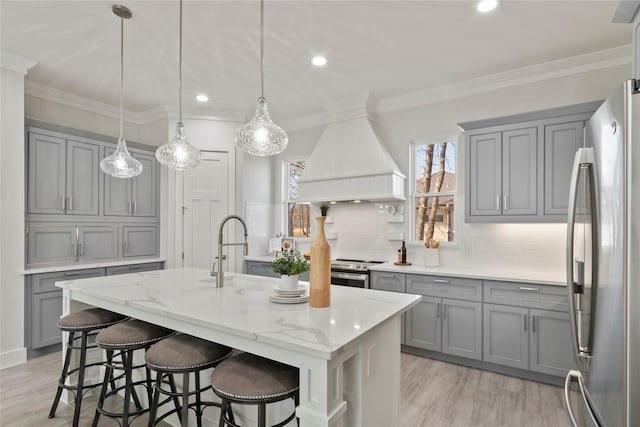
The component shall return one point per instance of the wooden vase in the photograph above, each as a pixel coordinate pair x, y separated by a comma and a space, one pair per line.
320, 274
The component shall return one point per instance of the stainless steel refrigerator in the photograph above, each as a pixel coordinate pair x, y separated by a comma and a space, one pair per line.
603, 267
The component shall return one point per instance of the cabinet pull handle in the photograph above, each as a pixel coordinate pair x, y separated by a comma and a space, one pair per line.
388, 275
72, 273
528, 289
533, 324
69, 203
75, 249
498, 202
135, 207
81, 249
438, 313
440, 281
128, 207
524, 318
125, 246
62, 202
444, 311
506, 202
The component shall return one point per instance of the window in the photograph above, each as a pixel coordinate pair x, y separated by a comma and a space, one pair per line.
298, 217
434, 190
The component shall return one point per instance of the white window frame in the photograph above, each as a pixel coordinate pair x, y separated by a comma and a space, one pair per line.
285, 194
415, 195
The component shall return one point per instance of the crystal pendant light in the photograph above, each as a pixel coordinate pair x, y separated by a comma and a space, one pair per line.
178, 153
260, 136
120, 164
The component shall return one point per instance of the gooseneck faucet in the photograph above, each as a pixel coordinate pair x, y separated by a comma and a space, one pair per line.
221, 244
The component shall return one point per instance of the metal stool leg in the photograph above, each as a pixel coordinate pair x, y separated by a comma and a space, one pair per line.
262, 415
79, 391
185, 399
103, 390
63, 376
154, 404
198, 399
176, 401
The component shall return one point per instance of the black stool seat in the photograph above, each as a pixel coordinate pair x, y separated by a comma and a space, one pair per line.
131, 334
250, 379
90, 319
183, 354
127, 337
85, 323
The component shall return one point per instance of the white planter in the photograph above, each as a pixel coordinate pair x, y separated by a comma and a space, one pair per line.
289, 282
432, 257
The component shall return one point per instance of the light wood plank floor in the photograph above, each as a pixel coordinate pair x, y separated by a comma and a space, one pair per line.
434, 394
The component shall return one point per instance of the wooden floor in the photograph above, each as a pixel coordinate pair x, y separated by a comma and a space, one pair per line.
434, 394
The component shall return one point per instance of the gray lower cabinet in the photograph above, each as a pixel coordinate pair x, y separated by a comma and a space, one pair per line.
63, 176
132, 197
505, 335
139, 241
44, 305
392, 282
549, 349
449, 317
263, 268
135, 268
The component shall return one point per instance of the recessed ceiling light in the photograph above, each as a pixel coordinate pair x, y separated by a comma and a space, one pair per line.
202, 98
319, 61
487, 5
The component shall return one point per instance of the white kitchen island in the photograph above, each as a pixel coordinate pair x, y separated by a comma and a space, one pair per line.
348, 354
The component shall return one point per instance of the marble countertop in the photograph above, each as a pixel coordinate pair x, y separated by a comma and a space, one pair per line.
242, 307
477, 272
91, 265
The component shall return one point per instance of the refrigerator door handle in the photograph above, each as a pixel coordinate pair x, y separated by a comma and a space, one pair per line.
583, 159
587, 401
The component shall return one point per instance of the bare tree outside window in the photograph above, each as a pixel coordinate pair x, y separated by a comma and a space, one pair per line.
435, 188
298, 218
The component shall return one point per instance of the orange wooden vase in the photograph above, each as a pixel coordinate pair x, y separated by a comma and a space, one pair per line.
320, 274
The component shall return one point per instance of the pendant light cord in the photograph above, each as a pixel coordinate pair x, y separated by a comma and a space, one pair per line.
121, 73
180, 66
262, 50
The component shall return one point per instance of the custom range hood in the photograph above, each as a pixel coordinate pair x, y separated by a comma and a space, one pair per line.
350, 162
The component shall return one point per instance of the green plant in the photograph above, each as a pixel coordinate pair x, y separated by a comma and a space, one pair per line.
324, 208
290, 263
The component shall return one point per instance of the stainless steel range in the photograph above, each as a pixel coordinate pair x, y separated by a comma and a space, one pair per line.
351, 272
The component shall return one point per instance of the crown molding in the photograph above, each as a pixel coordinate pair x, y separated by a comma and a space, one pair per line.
15, 63
593, 61
305, 122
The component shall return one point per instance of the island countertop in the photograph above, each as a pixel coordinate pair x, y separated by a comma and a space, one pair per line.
242, 307
347, 355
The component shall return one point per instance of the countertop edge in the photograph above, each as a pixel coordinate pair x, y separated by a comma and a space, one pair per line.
57, 268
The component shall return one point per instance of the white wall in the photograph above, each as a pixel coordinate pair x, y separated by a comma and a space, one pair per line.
12, 202
525, 246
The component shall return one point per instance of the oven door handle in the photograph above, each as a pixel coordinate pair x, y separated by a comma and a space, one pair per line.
349, 276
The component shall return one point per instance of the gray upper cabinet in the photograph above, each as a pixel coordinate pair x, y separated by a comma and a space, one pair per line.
561, 141
139, 241
485, 174
519, 167
135, 196
62, 176
519, 172
503, 170
51, 244
97, 242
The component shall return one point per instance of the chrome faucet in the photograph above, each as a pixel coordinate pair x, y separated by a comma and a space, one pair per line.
219, 273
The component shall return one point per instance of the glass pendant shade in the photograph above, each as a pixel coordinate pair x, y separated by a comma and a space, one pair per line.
178, 154
260, 136
120, 164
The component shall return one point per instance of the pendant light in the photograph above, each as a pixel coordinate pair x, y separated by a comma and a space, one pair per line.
260, 136
120, 164
178, 153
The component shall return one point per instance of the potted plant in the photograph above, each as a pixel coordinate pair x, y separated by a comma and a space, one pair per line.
324, 208
289, 265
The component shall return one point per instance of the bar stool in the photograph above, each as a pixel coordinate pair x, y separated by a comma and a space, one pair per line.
247, 379
127, 337
182, 354
87, 323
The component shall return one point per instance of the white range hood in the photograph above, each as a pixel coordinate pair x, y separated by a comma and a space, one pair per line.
350, 163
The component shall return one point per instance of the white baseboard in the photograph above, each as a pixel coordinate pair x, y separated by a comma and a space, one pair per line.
13, 357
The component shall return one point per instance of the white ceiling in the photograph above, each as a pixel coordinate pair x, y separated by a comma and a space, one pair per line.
386, 48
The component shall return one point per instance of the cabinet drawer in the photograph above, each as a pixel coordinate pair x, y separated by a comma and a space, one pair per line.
135, 268
526, 295
447, 287
45, 282
383, 281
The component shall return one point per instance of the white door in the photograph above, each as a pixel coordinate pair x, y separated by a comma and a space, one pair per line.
206, 203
